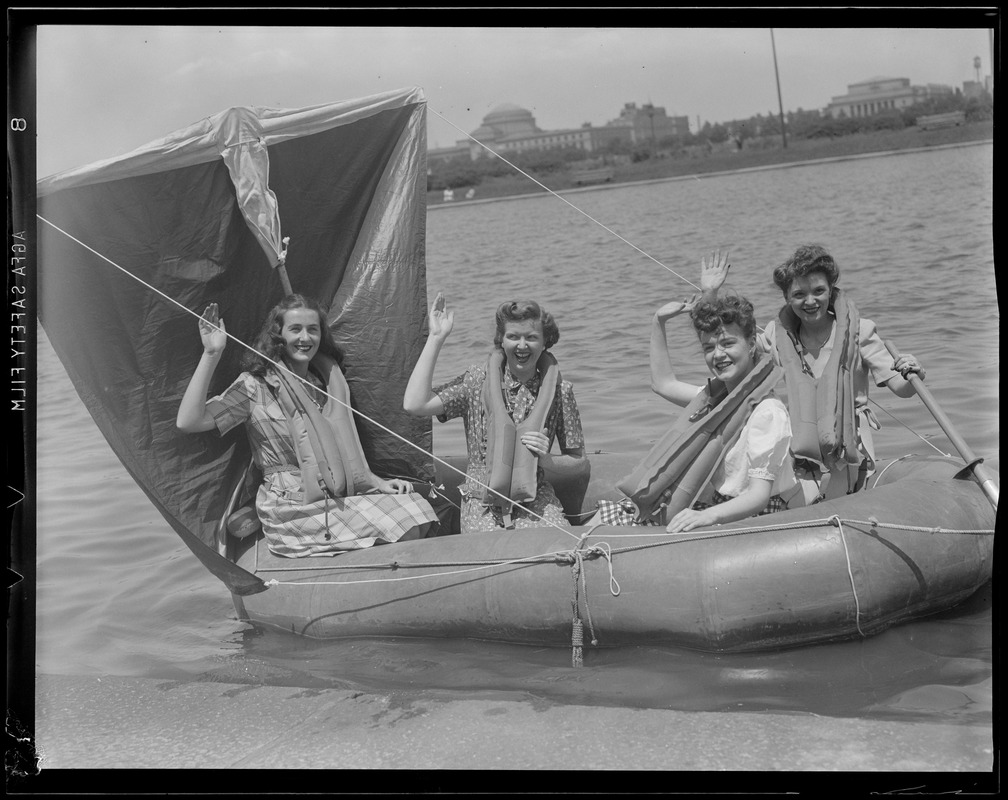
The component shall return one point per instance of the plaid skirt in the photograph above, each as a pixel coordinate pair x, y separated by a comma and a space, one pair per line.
326, 527
624, 512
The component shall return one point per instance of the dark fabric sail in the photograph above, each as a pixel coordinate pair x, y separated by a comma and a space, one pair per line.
348, 182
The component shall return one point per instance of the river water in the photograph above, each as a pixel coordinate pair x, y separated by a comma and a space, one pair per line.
119, 594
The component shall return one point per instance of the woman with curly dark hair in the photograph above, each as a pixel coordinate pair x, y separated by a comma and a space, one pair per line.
830, 355
727, 456
514, 405
318, 496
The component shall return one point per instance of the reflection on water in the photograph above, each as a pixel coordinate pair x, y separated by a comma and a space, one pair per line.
119, 594
943, 659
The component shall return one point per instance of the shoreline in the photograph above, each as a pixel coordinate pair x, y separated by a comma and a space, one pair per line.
702, 175
113, 722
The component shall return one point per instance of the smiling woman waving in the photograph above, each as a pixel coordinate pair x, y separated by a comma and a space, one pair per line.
727, 455
317, 496
513, 405
829, 354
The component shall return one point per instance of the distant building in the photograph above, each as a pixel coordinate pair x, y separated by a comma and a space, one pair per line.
512, 129
881, 94
977, 89
650, 122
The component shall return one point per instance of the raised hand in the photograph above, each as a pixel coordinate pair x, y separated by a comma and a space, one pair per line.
440, 320
713, 273
212, 331
675, 308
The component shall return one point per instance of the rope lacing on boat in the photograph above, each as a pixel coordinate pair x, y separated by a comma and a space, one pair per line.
577, 556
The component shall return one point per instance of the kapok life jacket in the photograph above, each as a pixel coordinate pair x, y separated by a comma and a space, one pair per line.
328, 447
685, 458
512, 467
823, 418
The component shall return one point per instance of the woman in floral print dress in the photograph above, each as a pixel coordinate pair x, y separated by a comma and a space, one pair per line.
524, 333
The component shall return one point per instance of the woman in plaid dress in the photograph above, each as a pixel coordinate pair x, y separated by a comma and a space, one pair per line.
294, 332
524, 333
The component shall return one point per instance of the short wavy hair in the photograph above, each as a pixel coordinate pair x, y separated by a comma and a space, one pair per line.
270, 342
520, 310
808, 258
712, 316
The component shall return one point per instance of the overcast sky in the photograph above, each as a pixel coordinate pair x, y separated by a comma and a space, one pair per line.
104, 90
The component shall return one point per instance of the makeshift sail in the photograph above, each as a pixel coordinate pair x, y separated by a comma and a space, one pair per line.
196, 217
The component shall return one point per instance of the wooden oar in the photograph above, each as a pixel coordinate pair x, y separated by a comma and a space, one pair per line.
973, 462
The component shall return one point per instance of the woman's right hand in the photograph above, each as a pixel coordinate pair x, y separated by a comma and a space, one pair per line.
440, 319
212, 331
675, 308
713, 274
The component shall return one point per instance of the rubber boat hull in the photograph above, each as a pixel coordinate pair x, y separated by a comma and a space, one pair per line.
836, 570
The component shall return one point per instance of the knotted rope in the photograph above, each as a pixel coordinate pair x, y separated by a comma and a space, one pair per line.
577, 557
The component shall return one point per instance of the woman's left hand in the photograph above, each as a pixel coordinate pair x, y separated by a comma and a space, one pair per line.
536, 441
395, 486
906, 364
688, 519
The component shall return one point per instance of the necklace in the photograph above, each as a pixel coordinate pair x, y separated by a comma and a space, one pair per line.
803, 334
317, 393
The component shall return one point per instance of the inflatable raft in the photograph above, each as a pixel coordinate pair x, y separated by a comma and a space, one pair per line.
125, 235
918, 542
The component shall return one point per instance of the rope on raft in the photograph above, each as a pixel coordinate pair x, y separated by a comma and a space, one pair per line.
577, 556
850, 573
606, 550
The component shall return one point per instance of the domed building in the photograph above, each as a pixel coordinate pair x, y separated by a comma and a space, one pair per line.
503, 121
507, 119
509, 128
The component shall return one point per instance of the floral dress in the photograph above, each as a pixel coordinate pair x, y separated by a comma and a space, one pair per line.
293, 527
463, 397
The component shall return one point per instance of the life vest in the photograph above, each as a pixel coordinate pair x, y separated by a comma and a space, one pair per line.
326, 442
823, 416
512, 467
682, 462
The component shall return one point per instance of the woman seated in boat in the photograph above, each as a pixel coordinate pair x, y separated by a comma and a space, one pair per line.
816, 333
312, 497
727, 456
513, 406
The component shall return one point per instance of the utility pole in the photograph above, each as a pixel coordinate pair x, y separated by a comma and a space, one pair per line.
780, 102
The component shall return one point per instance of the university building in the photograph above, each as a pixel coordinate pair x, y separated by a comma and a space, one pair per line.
882, 94
511, 129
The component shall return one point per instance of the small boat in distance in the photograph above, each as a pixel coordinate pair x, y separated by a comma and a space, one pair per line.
592, 175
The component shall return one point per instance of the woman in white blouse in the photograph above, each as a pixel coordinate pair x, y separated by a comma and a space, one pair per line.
755, 474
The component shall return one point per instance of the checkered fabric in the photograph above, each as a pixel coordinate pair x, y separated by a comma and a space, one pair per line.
293, 528
624, 512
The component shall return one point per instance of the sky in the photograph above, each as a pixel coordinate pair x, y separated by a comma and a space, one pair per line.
103, 90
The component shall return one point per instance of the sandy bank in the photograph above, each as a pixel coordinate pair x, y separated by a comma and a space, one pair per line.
114, 722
